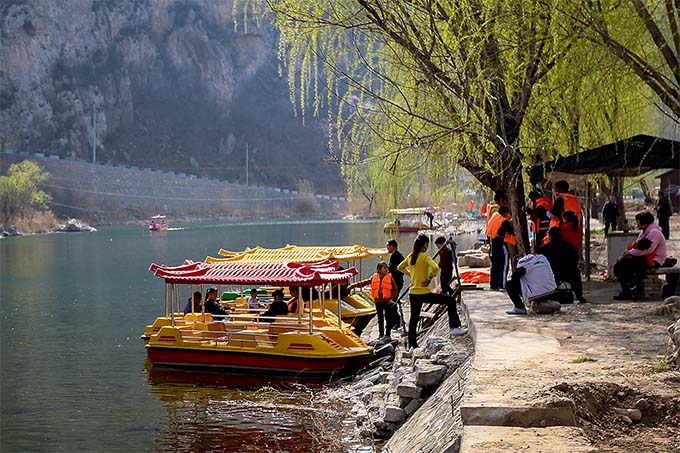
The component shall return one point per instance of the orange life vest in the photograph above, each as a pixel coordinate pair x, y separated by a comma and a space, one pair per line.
571, 204
554, 222
490, 210
545, 202
493, 224
510, 239
381, 288
293, 305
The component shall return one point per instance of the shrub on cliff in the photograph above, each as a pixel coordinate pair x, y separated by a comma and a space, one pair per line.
20, 197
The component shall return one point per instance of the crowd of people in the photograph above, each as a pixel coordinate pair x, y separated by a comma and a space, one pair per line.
557, 227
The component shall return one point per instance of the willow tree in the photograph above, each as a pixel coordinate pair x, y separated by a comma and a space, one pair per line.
423, 86
643, 34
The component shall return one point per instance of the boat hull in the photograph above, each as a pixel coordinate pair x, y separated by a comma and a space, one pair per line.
252, 363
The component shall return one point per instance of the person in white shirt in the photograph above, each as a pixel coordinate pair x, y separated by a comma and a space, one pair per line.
533, 278
253, 302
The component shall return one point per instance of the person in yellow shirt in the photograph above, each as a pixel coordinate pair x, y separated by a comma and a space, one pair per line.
421, 269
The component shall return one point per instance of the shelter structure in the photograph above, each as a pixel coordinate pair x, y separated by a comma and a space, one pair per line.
631, 156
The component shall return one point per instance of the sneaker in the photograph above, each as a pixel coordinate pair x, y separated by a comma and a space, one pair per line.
623, 295
517, 311
457, 331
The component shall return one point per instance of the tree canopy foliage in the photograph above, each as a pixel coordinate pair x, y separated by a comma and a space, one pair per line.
420, 87
643, 34
20, 196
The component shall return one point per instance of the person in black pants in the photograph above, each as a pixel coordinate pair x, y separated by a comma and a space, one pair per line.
563, 260
395, 259
421, 268
499, 261
610, 212
632, 265
445, 265
663, 214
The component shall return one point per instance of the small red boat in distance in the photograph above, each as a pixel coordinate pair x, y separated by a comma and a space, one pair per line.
157, 223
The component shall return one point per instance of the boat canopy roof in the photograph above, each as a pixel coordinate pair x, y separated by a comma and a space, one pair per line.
299, 254
158, 216
272, 274
412, 211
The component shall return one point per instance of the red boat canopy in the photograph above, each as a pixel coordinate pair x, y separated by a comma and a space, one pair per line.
273, 274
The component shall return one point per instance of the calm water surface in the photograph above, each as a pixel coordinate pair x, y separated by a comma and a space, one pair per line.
73, 373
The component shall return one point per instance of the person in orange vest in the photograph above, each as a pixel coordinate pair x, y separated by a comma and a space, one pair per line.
500, 199
499, 249
384, 292
538, 214
471, 208
566, 201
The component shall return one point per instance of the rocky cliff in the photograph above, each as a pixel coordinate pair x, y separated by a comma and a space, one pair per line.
172, 83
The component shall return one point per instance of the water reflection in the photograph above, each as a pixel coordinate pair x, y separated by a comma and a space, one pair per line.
205, 412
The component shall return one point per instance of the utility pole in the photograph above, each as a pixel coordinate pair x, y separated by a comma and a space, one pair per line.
94, 135
246, 164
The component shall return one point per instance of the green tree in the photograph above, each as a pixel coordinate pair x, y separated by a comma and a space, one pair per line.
423, 86
643, 34
19, 193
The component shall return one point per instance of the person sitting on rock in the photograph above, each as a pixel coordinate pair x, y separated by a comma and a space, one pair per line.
532, 279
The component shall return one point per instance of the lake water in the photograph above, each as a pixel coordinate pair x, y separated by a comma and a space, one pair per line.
73, 372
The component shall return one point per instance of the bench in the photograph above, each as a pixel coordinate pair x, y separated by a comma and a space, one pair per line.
653, 287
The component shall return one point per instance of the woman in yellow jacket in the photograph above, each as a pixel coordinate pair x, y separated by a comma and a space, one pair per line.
421, 268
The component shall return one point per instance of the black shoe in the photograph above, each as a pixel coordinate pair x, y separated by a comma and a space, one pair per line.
623, 295
583, 300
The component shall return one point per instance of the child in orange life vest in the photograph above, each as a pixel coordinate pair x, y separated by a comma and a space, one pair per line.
643, 244
384, 292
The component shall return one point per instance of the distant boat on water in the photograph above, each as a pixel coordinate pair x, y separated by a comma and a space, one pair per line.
158, 222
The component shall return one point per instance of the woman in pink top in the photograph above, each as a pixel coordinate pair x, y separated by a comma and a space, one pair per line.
632, 265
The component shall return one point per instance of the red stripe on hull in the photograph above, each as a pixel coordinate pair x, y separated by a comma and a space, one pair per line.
236, 362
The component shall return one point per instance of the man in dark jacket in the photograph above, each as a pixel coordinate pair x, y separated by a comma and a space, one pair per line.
563, 260
211, 305
445, 265
278, 307
663, 214
610, 212
395, 260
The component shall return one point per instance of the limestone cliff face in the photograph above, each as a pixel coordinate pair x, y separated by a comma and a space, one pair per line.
173, 84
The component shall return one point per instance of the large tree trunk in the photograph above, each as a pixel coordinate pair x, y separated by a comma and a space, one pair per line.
512, 183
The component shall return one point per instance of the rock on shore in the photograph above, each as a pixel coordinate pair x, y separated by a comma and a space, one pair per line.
73, 226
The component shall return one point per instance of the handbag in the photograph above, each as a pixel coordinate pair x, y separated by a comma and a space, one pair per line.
563, 294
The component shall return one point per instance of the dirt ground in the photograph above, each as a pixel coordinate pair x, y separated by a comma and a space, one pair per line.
611, 360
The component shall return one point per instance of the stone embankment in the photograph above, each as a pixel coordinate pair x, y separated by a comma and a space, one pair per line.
534, 383
105, 193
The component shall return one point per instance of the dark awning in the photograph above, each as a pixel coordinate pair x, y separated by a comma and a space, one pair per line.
628, 157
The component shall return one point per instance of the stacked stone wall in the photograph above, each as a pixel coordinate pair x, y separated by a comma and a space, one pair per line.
106, 193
